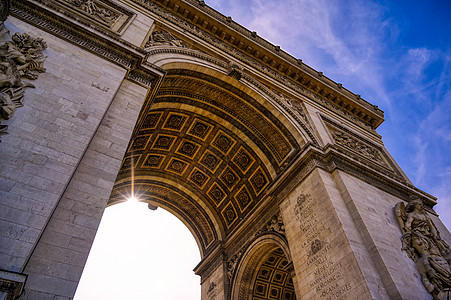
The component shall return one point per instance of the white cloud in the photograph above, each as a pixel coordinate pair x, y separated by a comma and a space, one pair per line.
318, 33
418, 59
420, 158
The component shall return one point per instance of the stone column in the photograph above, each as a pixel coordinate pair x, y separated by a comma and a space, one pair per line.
321, 234
57, 261
212, 271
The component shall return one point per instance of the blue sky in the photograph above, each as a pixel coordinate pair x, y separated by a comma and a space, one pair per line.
396, 54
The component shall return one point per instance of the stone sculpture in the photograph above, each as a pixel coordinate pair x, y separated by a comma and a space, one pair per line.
158, 38
232, 264
89, 6
20, 57
423, 244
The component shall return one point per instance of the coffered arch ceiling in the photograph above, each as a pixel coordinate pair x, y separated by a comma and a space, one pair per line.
207, 149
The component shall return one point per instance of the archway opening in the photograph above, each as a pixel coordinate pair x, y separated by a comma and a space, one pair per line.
273, 279
265, 271
140, 254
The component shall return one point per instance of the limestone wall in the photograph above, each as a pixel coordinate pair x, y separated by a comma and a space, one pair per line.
47, 138
323, 259
345, 241
59, 162
372, 213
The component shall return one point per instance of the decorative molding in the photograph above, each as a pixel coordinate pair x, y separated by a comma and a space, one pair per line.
162, 38
277, 100
210, 261
21, 57
422, 242
74, 34
361, 149
11, 284
346, 140
274, 225
95, 9
142, 76
234, 70
119, 51
97, 14
186, 51
350, 105
232, 265
330, 159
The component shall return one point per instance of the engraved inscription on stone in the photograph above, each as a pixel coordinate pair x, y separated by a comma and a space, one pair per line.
329, 280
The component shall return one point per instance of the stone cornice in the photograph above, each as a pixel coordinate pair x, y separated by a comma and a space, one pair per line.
257, 49
11, 284
330, 158
104, 44
333, 158
210, 261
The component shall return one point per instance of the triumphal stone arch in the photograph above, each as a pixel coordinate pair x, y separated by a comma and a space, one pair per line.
277, 170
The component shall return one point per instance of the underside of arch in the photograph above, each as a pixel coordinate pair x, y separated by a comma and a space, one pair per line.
264, 271
208, 150
272, 280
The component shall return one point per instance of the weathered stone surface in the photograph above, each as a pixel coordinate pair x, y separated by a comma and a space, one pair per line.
37, 157
63, 248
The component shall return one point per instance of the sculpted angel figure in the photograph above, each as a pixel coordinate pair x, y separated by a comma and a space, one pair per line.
422, 242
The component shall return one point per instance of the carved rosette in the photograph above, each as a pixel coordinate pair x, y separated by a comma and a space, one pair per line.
21, 57
423, 244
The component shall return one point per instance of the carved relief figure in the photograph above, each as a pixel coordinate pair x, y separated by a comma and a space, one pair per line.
106, 15
344, 139
422, 242
232, 264
158, 38
20, 56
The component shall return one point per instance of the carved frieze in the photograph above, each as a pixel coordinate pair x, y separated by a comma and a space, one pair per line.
103, 12
232, 264
358, 145
21, 57
99, 11
161, 38
346, 140
422, 242
334, 104
274, 225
